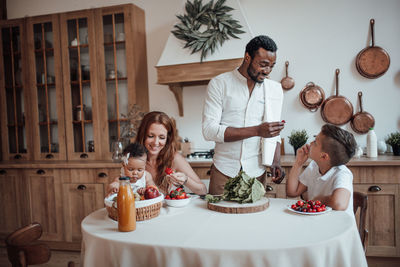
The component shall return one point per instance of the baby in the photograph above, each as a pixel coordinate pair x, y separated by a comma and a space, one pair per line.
326, 178
133, 166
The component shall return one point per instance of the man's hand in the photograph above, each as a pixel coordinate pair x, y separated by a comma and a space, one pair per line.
277, 173
270, 129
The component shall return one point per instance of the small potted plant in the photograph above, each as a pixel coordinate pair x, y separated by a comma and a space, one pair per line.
393, 140
297, 139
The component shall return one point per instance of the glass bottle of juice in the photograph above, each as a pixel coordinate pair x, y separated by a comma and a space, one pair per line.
126, 206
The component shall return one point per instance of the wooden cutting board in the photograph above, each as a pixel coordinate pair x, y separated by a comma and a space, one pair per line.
234, 207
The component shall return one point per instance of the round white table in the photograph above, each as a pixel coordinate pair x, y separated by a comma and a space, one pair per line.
196, 236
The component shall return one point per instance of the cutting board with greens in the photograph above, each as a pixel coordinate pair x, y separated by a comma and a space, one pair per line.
242, 194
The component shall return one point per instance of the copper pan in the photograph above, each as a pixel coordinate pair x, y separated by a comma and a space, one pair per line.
362, 121
337, 109
312, 96
373, 61
287, 82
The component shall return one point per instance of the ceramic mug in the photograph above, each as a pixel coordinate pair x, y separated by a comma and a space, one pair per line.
74, 42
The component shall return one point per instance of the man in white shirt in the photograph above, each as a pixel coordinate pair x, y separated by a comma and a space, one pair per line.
241, 108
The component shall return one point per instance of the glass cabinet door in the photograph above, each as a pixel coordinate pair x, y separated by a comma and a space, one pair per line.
46, 83
79, 67
122, 73
13, 95
116, 78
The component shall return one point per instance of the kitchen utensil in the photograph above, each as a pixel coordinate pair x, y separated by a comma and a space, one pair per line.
362, 121
337, 109
373, 61
312, 96
287, 82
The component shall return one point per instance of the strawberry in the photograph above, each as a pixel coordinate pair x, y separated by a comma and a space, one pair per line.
169, 171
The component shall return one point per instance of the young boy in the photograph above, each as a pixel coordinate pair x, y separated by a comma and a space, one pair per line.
133, 166
326, 178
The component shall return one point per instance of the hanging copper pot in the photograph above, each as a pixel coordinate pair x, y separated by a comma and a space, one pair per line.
337, 109
362, 121
287, 82
373, 61
312, 96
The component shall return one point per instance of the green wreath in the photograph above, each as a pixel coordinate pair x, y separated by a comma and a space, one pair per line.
219, 26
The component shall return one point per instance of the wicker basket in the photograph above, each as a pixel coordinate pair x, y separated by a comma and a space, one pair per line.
142, 214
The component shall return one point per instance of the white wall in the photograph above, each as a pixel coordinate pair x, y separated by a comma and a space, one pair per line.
315, 36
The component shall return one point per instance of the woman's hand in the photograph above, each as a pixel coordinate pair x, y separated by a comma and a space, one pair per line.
177, 178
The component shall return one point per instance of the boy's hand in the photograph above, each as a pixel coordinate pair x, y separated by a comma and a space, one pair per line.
141, 190
302, 154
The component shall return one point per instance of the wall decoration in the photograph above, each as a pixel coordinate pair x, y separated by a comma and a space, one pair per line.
203, 27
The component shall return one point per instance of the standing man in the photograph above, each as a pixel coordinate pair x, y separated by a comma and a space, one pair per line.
241, 115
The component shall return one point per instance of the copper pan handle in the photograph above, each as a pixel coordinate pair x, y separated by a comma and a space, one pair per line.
360, 99
287, 65
337, 81
372, 22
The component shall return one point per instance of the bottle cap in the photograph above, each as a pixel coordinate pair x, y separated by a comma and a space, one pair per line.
123, 178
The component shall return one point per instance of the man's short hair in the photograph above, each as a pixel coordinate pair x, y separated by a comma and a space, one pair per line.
338, 143
260, 41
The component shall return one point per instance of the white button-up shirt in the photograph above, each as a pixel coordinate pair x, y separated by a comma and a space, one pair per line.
229, 104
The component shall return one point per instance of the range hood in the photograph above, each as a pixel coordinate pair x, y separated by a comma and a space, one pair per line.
178, 68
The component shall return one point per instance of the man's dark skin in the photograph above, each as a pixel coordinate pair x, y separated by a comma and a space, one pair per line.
255, 70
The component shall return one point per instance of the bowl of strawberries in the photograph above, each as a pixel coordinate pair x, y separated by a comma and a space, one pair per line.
177, 198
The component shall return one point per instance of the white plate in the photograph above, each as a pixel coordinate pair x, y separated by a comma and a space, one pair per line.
328, 209
138, 204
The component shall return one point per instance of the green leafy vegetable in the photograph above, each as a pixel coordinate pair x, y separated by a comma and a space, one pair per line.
242, 189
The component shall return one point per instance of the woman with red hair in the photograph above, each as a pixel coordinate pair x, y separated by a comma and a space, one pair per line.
157, 132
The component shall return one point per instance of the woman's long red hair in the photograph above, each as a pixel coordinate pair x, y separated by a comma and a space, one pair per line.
167, 154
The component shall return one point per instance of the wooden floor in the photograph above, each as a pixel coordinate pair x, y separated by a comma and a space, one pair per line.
61, 259
58, 258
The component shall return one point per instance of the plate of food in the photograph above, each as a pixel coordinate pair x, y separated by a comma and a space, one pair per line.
177, 198
309, 207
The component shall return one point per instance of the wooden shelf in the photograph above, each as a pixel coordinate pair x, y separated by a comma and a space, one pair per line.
180, 75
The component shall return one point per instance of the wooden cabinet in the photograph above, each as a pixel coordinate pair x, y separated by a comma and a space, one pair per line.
45, 204
14, 205
45, 82
83, 191
15, 120
68, 82
382, 218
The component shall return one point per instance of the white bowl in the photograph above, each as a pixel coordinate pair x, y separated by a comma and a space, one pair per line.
177, 203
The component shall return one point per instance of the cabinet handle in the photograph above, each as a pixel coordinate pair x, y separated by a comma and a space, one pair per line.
374, 188
49, 156
269, 188
84, 156
208, 172
102, 175
18, 156
81, 187
2, 172
40, 171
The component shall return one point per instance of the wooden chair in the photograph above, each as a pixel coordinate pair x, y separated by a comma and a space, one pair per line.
23, 248
360, 202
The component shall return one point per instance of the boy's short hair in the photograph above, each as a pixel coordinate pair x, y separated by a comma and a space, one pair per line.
135, 150
338, 143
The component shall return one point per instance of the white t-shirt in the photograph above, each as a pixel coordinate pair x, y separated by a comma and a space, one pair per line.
139, 183
336, 177
229, 104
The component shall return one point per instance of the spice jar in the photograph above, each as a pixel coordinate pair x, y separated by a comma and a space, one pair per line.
80, 112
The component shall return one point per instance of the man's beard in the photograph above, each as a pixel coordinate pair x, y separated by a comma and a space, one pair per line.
253, 76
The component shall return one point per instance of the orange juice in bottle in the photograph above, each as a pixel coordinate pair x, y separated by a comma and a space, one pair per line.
126, 206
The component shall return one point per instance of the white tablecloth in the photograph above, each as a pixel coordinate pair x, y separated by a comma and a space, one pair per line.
196, 236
